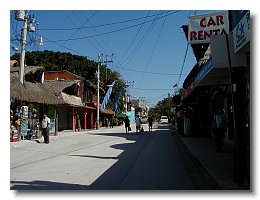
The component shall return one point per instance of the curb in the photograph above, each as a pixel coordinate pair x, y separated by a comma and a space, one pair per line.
219, 184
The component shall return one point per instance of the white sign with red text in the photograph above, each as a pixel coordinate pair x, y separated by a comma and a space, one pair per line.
201, 27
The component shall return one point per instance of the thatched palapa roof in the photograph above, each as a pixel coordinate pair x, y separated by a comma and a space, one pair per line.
49, 92
31, 92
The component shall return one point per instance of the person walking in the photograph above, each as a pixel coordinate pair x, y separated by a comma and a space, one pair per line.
45, 128
150, 123
106, 122
127, 125
111, 122
220, 129
138, 124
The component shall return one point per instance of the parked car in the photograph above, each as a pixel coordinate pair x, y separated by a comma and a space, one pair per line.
164, 120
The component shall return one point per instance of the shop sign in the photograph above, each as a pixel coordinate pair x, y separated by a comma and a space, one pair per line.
201, 27
24, 110
24, 118
187, 91
241, 33
235, 17
204, 70
52, 126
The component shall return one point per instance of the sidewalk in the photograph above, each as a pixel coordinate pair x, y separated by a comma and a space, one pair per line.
62, 134
218, 167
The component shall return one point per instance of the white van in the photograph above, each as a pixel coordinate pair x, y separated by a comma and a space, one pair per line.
164, 120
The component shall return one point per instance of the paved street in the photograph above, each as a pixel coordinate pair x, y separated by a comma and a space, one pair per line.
105, 159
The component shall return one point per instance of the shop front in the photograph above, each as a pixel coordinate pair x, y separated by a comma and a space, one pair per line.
26, 117
89, 115
225, 73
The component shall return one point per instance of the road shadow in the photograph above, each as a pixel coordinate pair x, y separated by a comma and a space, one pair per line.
115, 175
112, 178
98, 157
45, 185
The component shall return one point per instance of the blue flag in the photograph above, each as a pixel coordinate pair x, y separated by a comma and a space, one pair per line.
106, 98
117, 98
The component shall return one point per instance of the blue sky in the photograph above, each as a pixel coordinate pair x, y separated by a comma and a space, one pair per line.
173, 61
148, 46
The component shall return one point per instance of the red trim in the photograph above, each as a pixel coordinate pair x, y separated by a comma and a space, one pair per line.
89, 107
188, 90
85, 120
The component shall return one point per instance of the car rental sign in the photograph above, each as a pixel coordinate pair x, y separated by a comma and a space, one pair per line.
201, 27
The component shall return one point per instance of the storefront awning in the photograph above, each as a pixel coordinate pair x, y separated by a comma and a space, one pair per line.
210, 75
107, 111
121, 115
216, 70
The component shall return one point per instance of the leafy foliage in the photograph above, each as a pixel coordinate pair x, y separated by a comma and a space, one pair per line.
163, 107
79, 65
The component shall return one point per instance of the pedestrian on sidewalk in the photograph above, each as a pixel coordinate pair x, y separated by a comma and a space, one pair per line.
106, 122
127, 125
220, 129
45, 128
150, 122
137, 124
111, 122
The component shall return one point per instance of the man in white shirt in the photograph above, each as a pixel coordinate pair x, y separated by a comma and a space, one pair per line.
45, 128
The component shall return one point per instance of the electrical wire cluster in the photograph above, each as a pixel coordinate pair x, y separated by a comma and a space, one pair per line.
84, 26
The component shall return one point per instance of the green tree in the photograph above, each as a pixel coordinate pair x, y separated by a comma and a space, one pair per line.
79, 65
163, 107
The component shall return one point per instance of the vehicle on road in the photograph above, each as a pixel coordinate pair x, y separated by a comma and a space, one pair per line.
164, 120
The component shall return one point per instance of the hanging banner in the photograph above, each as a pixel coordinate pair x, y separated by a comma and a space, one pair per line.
242, 33
106, 98
117, 98
201, 27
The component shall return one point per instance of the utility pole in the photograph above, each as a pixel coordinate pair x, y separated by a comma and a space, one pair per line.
29, 25
128, 84
100, 62
98, 73
169, 101
22, 58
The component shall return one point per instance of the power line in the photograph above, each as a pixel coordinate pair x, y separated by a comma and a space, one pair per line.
81, 31
66, 47
137, 47
155, 89
134, 38
154, 98
185, 56
186, 51
147, 72
101, 25
101, 39
153, 51
109, 32
78, 29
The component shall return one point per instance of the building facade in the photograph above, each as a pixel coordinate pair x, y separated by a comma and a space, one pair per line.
221, 80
